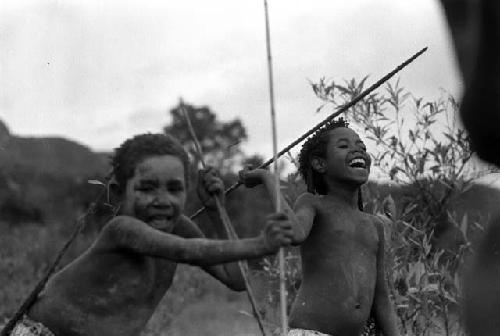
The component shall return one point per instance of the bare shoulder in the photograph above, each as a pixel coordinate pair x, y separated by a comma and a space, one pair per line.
118, 230
119, 224
306, 200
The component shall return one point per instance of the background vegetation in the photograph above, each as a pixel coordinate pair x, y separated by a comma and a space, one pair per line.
425, 191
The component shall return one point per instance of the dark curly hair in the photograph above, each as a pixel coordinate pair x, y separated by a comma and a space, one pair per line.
134, 150
315, 146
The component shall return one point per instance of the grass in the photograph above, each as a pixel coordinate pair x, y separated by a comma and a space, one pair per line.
211, 316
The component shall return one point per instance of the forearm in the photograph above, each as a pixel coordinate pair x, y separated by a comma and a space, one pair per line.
204, 252
137, 236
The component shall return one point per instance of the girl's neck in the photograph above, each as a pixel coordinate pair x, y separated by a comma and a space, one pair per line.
345, 193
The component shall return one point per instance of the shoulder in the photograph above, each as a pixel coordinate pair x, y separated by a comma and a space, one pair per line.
120, 223
306, 200
118, 230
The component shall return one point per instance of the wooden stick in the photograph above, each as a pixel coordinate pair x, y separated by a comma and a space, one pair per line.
339, 111
281, 253
231, 233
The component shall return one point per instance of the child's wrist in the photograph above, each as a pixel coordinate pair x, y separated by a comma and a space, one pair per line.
263, 245
210, 204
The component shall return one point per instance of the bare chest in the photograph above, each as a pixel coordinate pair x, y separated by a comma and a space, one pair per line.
342, 229
137, 277
107, 281
109, 290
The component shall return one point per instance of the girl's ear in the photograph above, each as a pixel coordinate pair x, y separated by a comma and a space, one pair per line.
115, 192
318, 164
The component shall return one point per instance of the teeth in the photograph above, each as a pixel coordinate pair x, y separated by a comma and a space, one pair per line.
357, 161
160, 218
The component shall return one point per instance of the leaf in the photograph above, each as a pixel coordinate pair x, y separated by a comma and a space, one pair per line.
389, 207
320, 108
418, 101
464, 225
315, 88
411, 135
96, 182
412, 159
362, 83
394, 170
244, 312
449, 297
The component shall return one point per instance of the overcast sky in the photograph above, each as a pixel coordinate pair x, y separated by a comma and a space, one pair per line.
101, 71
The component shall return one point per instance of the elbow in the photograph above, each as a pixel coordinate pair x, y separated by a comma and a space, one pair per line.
238, 288
237, 285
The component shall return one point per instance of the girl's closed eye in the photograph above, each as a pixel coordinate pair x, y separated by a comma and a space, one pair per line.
175, 187
146, 187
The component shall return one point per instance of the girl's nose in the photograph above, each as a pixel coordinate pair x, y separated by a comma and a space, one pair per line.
162, 199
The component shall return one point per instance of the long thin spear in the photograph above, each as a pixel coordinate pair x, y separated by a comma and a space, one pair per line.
231, 233
281, 253
340, 110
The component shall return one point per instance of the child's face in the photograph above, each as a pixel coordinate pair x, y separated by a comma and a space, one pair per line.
156, 194
346, 157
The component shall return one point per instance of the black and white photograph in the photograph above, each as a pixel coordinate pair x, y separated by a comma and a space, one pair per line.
249, 168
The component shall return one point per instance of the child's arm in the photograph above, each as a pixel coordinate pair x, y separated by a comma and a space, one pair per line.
302, 216
209, 187
384, 312
129, 233
228, 273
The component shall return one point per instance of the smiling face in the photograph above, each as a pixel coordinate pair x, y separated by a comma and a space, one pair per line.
156, 193
346, 157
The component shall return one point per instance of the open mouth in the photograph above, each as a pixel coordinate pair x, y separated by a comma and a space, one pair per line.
357, 163
159, 219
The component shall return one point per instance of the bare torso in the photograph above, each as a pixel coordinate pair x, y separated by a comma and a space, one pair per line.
106, 291
339, 259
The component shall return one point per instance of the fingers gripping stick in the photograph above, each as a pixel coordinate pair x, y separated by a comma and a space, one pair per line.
231, 233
